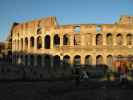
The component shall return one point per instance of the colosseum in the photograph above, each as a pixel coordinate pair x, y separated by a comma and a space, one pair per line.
44, 42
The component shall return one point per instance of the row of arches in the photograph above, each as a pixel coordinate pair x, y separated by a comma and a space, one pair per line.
67, 39
109, 39
56, 60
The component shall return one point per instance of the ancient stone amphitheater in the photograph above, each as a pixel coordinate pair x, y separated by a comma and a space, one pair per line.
45, 43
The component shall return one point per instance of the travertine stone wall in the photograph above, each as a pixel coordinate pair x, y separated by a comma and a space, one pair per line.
104, 41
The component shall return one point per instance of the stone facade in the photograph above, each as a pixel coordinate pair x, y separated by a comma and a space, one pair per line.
44, 41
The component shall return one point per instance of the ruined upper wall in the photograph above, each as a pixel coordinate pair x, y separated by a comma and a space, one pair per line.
31, 26
125, 24
128, 20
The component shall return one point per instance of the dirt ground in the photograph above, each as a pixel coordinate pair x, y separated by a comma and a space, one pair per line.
65, 90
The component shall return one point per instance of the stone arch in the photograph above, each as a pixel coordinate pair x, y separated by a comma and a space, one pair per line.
77, 60
66, 59
39, 60
109, 39
129, 39
99, 59
99, 39
47, 42
77, 39
66, 39
119, 39
56, 40
39, 42
32, 42
26, 43
88, 60
109, 60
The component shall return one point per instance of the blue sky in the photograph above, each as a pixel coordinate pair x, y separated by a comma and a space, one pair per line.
66, 11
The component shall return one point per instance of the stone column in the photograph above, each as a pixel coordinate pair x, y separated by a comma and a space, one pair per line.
61, 40
42, 42
13, 45
94, 39
51, 42
104, 40
35, 44
94, 59
124, 40
28, 43
82, 61
23, 44
83, 40
61, 61
104, 59
71, 62
114, 40
71, 40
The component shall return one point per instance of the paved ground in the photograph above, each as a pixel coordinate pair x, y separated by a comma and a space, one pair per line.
65, 90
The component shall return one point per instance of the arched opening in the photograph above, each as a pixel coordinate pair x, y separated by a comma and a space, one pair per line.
39, 30
99, 39
77, 60
56, 40
26, 60
109, 39
99, 60
39, 42
88, 60
66, 59
66, 62
56, 62
32, 42
66, 40
76, 39
129, 39
119, 39
21, 44
39, 60
26, 43
31, 60
47, 61
109, 60
47, 42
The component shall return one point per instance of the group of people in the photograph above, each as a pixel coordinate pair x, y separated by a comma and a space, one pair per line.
123, 73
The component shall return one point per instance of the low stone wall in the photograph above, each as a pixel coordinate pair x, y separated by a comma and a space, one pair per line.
21, 72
